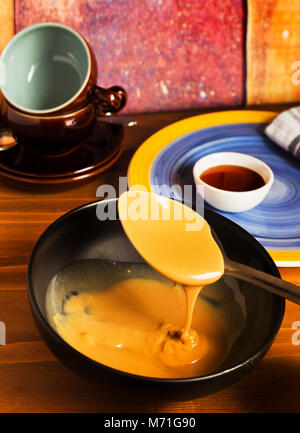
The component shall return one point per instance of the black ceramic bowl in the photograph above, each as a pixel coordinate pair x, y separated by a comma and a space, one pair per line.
80, 235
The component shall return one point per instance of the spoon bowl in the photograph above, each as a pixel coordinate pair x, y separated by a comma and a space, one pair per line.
171, 237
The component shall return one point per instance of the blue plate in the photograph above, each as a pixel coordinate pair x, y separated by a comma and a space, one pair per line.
276, 221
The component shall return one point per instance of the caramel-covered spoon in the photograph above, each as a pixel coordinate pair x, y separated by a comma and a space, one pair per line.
184, 248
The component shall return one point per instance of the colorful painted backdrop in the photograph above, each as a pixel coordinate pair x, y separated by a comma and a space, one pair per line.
180, 54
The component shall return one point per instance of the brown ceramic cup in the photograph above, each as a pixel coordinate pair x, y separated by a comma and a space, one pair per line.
48, 91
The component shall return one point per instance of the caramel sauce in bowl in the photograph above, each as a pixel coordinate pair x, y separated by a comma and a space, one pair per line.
232, 178
232, 181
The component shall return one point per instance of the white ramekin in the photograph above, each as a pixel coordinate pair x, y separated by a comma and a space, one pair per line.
232, 201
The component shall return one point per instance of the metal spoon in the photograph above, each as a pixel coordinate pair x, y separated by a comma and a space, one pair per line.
258, 278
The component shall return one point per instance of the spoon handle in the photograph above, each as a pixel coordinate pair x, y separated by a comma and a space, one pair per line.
272, 284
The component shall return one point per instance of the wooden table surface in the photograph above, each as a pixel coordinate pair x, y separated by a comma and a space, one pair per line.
33, 380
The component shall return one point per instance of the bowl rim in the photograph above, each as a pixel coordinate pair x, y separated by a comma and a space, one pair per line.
265, 345
40, 26
199, 181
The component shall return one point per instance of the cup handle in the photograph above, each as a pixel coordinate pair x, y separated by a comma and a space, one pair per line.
109, 100
7, 139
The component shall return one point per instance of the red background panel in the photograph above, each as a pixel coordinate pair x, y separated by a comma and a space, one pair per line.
168, 54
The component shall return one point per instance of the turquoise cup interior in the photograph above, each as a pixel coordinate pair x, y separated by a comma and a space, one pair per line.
44, 67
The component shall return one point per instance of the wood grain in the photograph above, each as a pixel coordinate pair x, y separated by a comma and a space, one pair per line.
273, 44
32, 380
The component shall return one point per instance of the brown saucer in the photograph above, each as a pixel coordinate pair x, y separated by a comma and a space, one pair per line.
90, 157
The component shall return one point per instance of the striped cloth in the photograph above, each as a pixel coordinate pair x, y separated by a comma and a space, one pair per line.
285, 130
